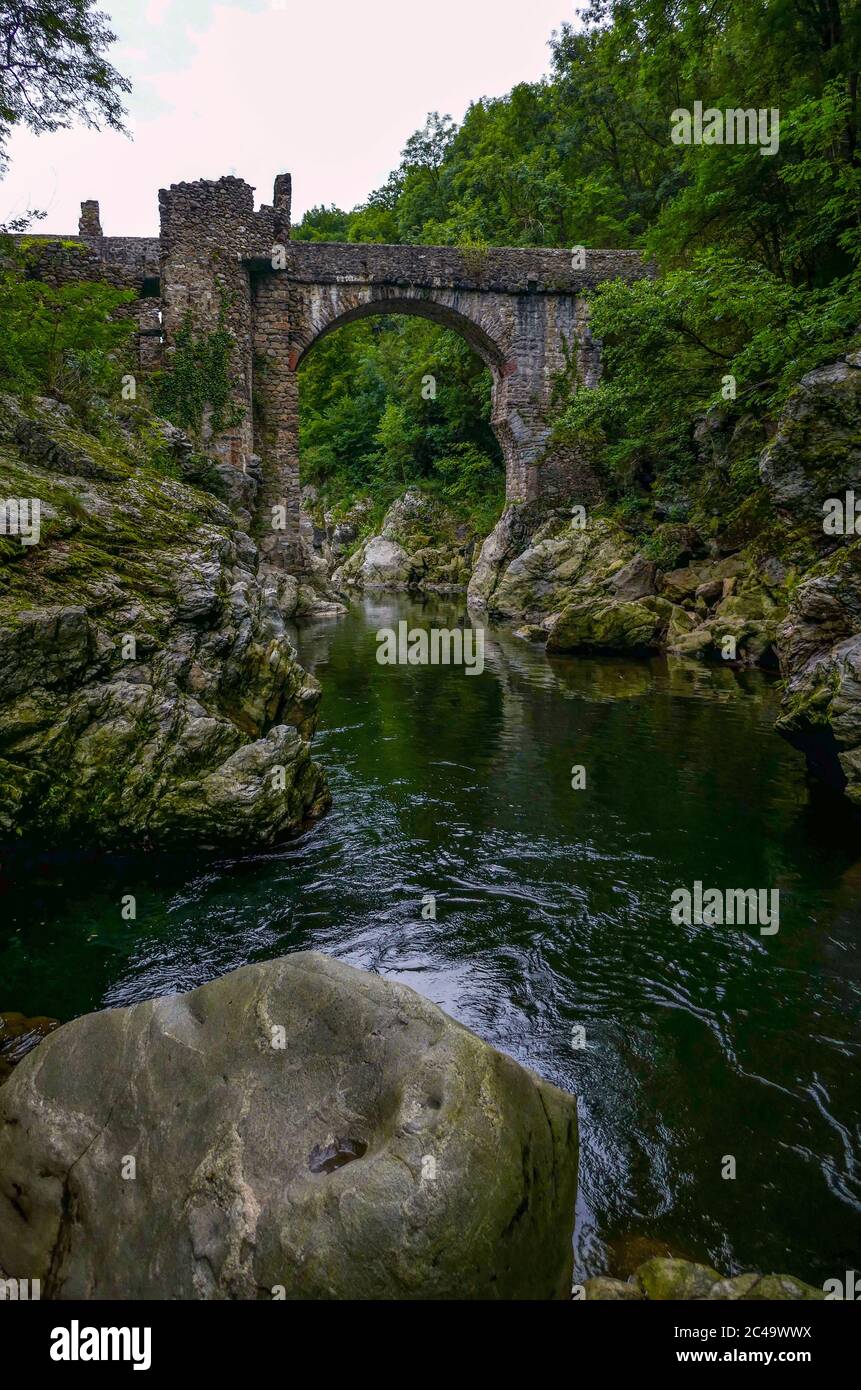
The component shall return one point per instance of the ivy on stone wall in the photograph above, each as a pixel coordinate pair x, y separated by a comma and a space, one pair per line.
196, 393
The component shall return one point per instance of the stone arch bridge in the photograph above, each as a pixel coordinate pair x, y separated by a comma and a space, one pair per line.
523, 311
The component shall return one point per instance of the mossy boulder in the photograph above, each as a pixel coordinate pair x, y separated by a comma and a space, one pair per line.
725, 637
681, 585
664, 1279
421, 545
695, 642
539, 559
782, 1286
299, 1127
600, 625
148, 688
680, 623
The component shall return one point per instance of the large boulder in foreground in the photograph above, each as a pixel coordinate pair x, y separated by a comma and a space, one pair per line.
383, 1152
599, 624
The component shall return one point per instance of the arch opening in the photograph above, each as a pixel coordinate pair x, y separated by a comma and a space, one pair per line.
391, 400
446, 316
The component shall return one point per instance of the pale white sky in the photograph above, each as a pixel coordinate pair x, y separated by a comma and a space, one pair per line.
328, 90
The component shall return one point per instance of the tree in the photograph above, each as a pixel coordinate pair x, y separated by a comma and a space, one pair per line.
427, 148
53, 70
760, 257
69, 341
322, 224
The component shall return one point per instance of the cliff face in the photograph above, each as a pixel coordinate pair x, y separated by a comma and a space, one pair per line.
816, 456
148, 690
820, 654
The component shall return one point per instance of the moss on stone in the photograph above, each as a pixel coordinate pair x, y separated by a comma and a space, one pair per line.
200, 730
663, 1279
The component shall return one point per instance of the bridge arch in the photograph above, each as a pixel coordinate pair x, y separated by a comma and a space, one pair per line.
330, 308
332, 311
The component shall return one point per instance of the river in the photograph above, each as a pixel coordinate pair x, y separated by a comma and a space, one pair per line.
553, 923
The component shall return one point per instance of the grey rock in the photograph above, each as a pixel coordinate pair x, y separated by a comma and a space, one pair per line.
611, 1290
148, 688
536, 561
816, 450
819, 647
400, 557
634, 580
381, 564
662, 1279
383, 1152
710, 592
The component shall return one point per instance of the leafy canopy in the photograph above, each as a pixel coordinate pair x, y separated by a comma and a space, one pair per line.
53, 70
759, 255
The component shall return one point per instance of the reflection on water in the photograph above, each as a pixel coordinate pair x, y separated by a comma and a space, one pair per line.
552, 911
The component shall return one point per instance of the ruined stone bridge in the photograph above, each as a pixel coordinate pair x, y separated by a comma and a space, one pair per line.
523, 310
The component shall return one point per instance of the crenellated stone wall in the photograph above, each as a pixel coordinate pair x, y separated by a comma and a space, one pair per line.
523, 310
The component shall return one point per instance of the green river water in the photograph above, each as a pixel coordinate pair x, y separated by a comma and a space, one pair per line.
553, 911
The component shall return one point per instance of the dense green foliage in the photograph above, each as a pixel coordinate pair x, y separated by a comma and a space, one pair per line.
759, 254
387, 402
195, 393
725, 333
67, 342
71, 341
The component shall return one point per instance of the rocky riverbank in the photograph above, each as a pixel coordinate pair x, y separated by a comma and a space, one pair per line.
755, 578
148, 688
583, 585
